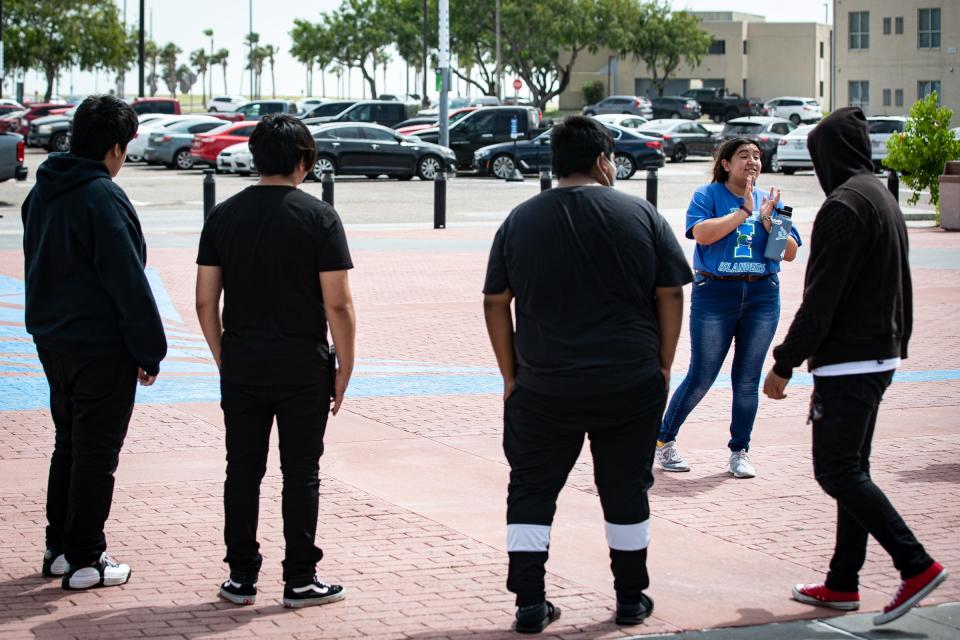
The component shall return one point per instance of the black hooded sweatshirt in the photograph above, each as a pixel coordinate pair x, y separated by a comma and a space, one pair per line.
87, 293
857, 298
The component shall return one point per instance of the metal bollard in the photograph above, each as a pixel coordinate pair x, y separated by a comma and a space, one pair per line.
546, 180
209, 192
327, 181
440, 200
893, 184
652, 186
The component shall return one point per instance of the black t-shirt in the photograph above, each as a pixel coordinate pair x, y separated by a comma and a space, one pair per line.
583, 263
272, 243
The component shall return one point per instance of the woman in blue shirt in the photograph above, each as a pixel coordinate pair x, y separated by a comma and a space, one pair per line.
736, 297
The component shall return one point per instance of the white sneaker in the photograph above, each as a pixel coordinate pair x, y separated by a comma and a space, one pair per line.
54, 564
107, 572
740, 466
670, 459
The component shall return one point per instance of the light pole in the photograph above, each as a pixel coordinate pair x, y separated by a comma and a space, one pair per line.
250, 32
1, 48
423, 99
140, 50
444, 51
497, 79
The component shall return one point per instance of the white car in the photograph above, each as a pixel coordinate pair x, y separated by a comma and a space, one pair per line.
225, 103
795, 109
137, 146
625, 120
792, 152
236, 159
881, 128
309, 103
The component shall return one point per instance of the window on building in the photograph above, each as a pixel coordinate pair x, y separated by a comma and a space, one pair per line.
744, 47
926, 87
898, 25
859, 29
886, 26
886, 97
859, 94
928, 34
821, 51
898, 98
821, 88
718, 47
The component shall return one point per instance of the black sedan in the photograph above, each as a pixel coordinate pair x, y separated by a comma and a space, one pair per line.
681, 138
765, 131
359, 148
632, 151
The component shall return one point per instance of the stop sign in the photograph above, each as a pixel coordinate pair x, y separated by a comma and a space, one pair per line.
517, 84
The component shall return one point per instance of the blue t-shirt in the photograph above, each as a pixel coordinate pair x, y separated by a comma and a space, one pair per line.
740, 252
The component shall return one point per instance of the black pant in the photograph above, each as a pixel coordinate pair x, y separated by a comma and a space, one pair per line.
543, 436
842, 436
91, 400
248, 413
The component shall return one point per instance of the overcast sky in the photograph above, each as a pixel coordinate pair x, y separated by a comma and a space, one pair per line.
183, 21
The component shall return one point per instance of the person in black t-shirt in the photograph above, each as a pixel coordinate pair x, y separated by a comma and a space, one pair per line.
280, 258
597, 279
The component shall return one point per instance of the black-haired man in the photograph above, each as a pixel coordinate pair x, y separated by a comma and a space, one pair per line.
597, 279
97, 330
280, 257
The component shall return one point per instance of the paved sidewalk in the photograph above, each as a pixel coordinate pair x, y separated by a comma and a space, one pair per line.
414, 480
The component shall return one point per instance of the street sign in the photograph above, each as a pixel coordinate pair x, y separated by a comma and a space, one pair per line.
518, 84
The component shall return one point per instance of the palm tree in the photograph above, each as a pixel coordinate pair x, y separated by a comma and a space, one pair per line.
209, 34
221, 58
270, 53
201, 61
252, 41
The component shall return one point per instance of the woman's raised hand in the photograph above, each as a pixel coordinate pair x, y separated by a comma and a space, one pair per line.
770, 203
748, 195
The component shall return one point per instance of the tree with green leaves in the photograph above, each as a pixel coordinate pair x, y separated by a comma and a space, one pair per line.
924, 147
358, 33
660, 38
168, 62
305, 44
186, 78
221, 57
151, 53
255, 55
201, 62
270, 54
209, 33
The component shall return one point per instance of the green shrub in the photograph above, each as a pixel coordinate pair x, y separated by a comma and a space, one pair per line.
593, 91
921, 151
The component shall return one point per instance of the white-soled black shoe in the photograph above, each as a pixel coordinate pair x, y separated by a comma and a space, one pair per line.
54, 564
239, 592
106, 572
311, 594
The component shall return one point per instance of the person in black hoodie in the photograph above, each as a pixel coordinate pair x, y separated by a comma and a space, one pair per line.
853, 327
97, 329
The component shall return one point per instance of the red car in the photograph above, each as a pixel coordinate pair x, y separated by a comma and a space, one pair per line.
207, 146
166, 106
38, 110
419, 124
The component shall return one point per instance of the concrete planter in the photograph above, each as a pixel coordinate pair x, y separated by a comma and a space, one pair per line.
950, 197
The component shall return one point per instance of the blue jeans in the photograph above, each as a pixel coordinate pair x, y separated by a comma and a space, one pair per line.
722, 311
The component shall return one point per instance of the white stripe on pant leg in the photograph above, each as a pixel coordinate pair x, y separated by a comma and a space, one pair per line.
528, 537
628, 537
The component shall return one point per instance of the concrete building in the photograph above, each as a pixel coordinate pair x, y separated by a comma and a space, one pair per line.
890, 53
748, 55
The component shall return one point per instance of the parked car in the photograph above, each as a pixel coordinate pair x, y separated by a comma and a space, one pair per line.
225, 103
13, 121
421, 123
796, 110
9, 106
360, 148
167, 106
458, 102
326, 110
632, 151
881, 128
675, 107
719, 104
382, 112
52, 132
306, 104
171, 145
624, 121
12, 151
138, 146
207, 146
765, 131
236, 158
38, 110
792, 152
486, 126
634, 105
681, 138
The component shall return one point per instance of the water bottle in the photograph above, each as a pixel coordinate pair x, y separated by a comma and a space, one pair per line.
779, 232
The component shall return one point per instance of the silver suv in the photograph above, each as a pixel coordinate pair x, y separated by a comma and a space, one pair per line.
634, 105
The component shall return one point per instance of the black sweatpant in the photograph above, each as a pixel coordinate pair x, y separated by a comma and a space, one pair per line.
248, 413
842, 437
91, 400
543, 436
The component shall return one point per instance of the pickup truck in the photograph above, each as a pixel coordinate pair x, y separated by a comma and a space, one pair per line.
719, 104
486, 126
12, 150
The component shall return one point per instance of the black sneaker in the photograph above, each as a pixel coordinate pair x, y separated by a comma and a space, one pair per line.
535, 618
239, 592
106, 572
313, 593
634, 612
54, 564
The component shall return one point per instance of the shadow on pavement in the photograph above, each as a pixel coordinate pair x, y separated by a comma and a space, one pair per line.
555, 631
677, 485
943, 472
29, 597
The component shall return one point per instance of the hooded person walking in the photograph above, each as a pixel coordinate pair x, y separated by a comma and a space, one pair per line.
853, 327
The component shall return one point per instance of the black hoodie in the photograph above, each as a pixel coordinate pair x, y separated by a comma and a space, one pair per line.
87, 292
857, 299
